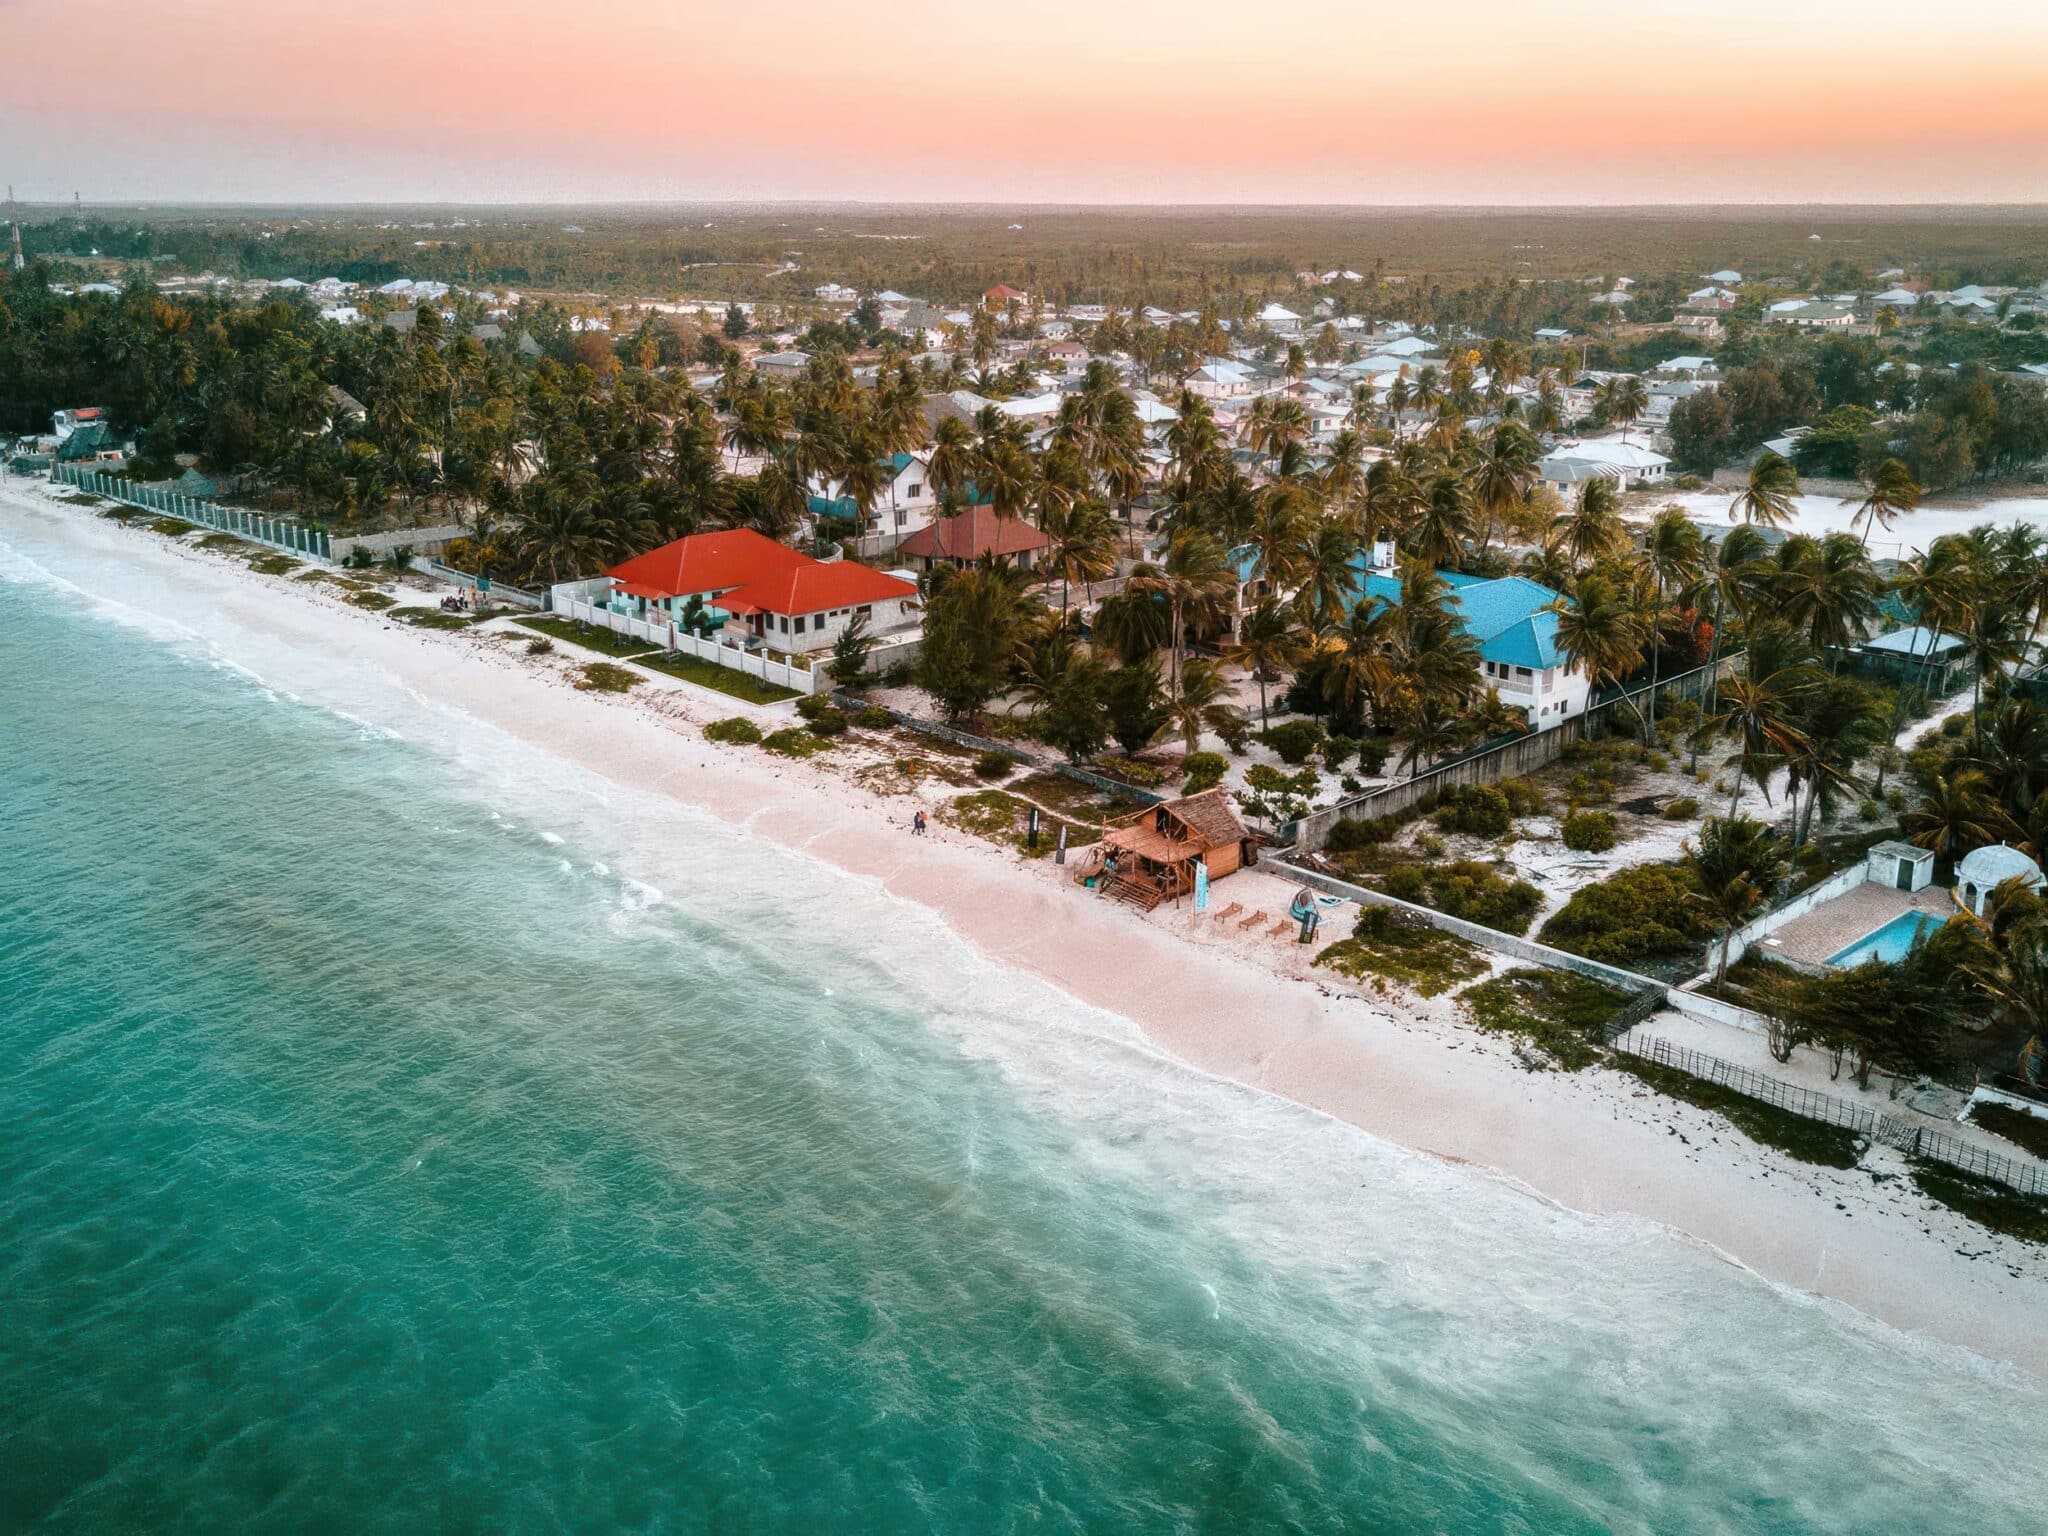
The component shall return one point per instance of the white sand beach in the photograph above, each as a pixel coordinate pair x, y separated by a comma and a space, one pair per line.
1247, 1009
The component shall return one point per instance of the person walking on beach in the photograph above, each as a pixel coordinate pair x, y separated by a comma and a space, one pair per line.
917, 827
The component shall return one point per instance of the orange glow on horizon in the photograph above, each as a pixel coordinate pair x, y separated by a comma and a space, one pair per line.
1588, 101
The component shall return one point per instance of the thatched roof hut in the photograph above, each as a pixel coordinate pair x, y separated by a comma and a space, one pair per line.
1150, 855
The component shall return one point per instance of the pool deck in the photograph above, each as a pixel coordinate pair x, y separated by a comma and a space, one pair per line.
1832, 927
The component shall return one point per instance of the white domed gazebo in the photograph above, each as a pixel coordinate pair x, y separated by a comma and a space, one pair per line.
1984, 870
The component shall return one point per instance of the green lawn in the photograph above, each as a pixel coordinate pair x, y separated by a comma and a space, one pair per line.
691, 669
433, 618
708, 674
606, 642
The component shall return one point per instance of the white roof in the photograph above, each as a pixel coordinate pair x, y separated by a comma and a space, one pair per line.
1684, 364
1786, 306
1031, 405
1274, 312
1405, 346
1724, 276
1996, 864
1609, 452
1151, 412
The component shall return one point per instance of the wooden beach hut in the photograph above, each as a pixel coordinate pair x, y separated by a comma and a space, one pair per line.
1150, 856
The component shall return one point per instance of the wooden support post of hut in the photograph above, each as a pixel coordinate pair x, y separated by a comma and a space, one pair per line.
1150, 856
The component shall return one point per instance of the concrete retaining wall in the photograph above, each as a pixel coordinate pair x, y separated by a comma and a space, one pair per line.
422, 541
1489, 765
1835, 885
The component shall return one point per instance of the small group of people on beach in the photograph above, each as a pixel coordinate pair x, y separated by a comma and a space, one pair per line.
459, 603
918, 825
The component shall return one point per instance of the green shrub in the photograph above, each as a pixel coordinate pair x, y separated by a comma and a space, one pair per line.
991, 766
603, 677
1337, 751
795, 741
1642, 913
1390, 945
1233, 730
735, 730
1430, 846
1557, 1011
1523, 797
1365, 832
1373, 755
539, 647
1477, 809
1131, 771
1465, 888
1684, 808
1204, 770
831, 723
1590, 831
814, 707
874, 718
1294, 741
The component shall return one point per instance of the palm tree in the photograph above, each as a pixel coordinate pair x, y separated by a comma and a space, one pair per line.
1941, 586
1729, 582
1825, 589
1674, 551
1192, 583
1734, 864
1503, 474
1199, 700
1083, 543
1890, 490
1592, 528
1758, 713
1768, 495
1603, 632
1269, 643
1955, 815
1326, 569
1627, 399
1995, 638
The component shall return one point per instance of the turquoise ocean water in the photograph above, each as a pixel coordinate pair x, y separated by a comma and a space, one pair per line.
399, 1131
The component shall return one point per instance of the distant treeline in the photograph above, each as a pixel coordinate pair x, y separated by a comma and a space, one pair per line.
1424, 265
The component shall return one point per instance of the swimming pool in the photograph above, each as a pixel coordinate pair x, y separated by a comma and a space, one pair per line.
1891, 943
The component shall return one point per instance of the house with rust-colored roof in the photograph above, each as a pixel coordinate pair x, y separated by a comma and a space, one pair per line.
973, 535
760, 591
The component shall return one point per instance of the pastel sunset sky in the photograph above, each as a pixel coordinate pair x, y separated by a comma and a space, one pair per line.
1327, 101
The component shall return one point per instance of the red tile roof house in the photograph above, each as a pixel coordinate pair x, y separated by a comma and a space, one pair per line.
762, 591
968, 536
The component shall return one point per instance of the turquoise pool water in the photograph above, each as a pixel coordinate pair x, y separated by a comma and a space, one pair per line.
1891, 943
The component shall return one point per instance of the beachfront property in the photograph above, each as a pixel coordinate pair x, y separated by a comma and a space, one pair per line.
1164, 851
1882, 908
753, 591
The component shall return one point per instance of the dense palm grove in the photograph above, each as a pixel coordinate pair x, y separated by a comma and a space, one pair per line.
1234, 561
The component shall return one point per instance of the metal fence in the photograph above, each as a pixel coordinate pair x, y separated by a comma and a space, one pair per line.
1810, 1104
1497, 759
294, 538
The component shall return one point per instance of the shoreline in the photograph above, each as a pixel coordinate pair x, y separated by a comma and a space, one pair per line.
1242, 1010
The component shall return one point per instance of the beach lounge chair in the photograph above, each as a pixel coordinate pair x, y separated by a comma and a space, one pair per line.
1251, 922
1281, 929
1230, 911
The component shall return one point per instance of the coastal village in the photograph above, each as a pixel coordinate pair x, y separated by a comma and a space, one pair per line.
1594, 680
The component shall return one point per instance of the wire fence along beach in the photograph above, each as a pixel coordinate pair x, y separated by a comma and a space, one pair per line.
1810, 1104
293, 538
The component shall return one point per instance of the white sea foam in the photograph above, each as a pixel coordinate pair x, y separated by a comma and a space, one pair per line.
1460, 1280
